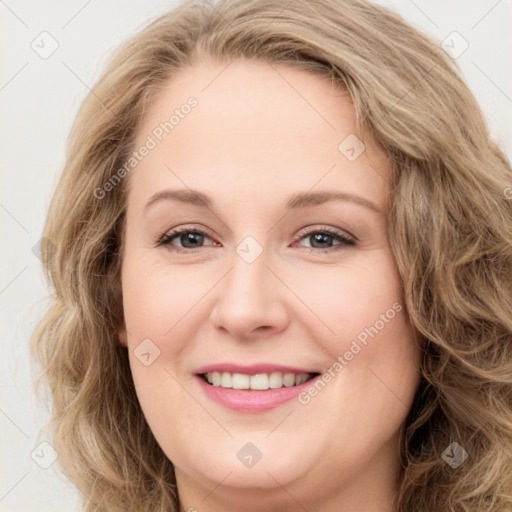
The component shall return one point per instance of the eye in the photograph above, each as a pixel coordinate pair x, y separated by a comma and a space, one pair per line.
322, 239
191, 240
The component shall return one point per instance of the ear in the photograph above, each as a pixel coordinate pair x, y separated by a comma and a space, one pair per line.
122, 336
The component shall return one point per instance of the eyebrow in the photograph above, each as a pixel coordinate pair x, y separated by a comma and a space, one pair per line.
298, 200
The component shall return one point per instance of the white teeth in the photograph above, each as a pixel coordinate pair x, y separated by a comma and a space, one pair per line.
225, 380
275, 380
241, 381
289, 380
261, 381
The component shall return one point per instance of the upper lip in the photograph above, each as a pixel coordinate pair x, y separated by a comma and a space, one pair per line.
253, 369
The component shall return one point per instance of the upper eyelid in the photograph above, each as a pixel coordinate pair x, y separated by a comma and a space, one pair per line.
319, 228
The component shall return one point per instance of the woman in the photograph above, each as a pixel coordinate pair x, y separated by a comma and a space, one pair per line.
205, 351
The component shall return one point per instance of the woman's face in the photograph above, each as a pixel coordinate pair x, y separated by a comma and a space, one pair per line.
289, 276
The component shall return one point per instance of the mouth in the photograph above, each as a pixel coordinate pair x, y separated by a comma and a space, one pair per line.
254, 388
256, 382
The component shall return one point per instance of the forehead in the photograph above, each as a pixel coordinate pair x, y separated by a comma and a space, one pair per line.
255, 126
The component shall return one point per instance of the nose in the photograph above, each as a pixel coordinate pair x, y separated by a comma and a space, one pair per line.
250, 301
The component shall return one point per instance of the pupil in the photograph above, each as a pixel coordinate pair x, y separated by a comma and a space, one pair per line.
190, 238
321, 237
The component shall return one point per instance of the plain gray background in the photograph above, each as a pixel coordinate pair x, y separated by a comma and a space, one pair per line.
39, 96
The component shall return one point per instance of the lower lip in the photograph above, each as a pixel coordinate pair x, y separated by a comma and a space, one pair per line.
247, 400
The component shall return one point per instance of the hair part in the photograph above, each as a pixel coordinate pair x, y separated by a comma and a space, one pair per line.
449, 226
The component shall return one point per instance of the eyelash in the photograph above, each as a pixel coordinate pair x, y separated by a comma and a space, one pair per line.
166, 239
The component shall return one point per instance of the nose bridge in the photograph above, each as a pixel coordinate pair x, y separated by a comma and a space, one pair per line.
250, 296
248, 279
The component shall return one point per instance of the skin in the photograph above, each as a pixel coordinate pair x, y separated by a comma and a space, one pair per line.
259, 134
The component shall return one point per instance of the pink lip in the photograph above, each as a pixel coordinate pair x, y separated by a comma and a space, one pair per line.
251, 369
247, 400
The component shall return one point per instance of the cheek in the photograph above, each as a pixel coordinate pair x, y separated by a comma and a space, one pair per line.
157, 295
373, 352
157, 301
354, 298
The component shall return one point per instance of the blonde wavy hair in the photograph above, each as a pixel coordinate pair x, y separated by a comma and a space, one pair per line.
450, 229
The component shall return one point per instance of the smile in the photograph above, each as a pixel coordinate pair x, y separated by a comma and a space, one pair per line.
255, 388
259, 382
